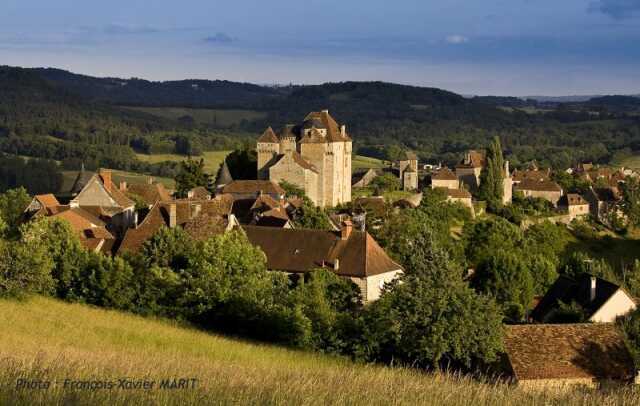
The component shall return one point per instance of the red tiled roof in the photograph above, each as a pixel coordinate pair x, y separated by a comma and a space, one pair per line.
444, 174
150, 193
303, 250
253, 186
47, 200
568, 351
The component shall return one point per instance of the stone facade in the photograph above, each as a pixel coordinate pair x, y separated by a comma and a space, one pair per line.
314, 155
371, 287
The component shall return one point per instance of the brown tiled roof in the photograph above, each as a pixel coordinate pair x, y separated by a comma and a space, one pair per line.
253, 186
303, 250
333, 129
277, 212
568, 351
186, 211
534, 175
205, 226
542, 186
473, 159
150, 193
268, 136
265, 201
374, 204
455, 193
199, 193
79, 219
47, 200
120, 198
444, 174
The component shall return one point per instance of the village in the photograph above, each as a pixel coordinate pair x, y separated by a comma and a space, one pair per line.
315, 157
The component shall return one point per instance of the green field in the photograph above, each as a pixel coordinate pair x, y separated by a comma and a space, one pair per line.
47, 340
68, 177
365, 162
632, 162
210, 117
212, 159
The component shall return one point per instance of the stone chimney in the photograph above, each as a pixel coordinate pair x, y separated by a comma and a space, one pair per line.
592, 290
345, 231
105, 174
336, 264
343, 130
123, 186
172, 215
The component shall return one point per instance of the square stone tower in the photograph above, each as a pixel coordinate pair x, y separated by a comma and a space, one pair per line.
315, 155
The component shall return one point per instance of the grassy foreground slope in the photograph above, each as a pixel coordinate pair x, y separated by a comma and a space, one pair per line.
48, 340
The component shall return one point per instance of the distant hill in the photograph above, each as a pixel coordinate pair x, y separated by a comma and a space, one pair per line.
140, 92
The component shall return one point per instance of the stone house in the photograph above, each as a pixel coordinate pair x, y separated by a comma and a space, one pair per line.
576, 206
351, 254
459, 196
101, 197
445, 178
600, 300
314, 155
562, 356
603, 203
408, 170
149, 192
547, 190
470, 168
200, 219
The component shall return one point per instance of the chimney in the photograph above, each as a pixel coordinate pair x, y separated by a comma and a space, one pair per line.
150, 180
347, 227
592, 291
326, 111
196, 210
105, 174
343, 130
123, 186
336, 264
172, 215
135, 219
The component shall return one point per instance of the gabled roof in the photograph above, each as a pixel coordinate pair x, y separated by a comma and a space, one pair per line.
224, 175
118, 196
541, 186
263, 201
253, 186
568, 290
568, 351
303, 250
333, 129
472, 159
444, 174
150, 193
269, 136
47, 200
187, 211
534, 175
455, 193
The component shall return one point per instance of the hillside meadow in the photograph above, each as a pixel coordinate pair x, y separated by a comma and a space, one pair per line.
45, 340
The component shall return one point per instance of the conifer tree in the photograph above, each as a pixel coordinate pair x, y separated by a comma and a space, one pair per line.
492, 177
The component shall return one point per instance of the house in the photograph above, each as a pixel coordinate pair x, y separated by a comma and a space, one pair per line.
546, 189
199, 193
409, 202
560, 356
351, 254
470, 168
445, 178
149, 192
532, 174
601, 300
90, 229
575, 205
200, 219
459, 196
101, 197
604, 203
314, 155
363, 179
251, 189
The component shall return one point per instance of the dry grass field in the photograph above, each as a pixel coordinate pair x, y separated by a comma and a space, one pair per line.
45, 340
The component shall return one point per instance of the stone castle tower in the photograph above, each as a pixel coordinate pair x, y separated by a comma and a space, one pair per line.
314, 155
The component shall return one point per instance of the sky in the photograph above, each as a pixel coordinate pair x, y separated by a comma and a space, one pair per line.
497, 47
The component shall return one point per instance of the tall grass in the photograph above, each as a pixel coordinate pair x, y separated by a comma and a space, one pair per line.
44, 339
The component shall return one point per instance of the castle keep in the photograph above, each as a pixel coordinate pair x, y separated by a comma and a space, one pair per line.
314, 155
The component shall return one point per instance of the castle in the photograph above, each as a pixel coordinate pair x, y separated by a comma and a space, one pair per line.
314, 155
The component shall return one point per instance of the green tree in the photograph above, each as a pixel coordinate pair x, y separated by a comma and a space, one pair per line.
385, 183
431, 318
312, 217
191, 175
631, 327
25, 267
492, 177
13, 203
631, 200
486, 236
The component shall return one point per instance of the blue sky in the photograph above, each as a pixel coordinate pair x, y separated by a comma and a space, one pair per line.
503, 47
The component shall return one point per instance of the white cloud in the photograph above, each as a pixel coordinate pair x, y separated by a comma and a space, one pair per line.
456, 39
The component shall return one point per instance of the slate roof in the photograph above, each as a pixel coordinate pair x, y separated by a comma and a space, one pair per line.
253, 186
568, 351
568, 290
303, 250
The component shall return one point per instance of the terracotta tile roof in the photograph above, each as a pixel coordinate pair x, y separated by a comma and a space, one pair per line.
264, 201
186, 211
376, 204
567, 290
80, 219
333, 129
205, 226
473, 159
269, 136
568, 351
541, 186
150, 193
199, 193
534, 175
302, 250
277, 212
444, 174
253, 186
47, 200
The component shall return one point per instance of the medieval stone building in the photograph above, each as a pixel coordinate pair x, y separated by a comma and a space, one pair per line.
314, 155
